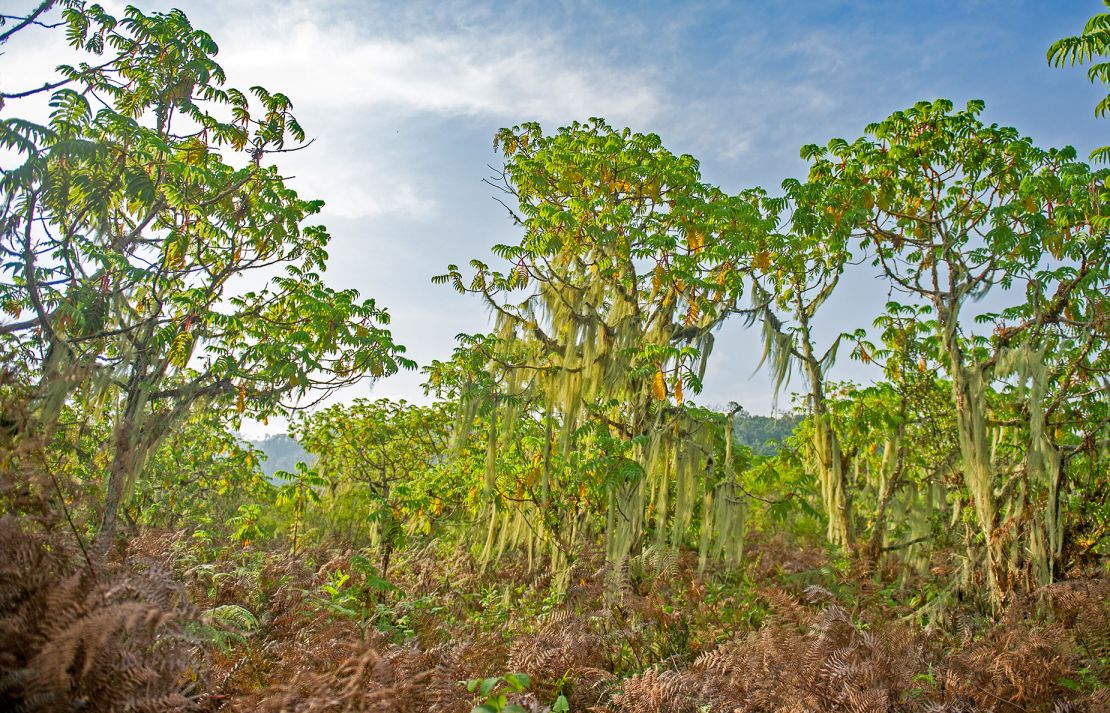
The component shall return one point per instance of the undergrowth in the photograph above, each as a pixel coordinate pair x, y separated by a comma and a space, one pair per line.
211, 628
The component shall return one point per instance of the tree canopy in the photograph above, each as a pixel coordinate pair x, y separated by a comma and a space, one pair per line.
131, 223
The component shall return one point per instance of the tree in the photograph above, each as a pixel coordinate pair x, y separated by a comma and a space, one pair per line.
910, 414
387, 448
954, 210
628, 261
793, 275
130, 230
202, 472
1090, 46
298, 490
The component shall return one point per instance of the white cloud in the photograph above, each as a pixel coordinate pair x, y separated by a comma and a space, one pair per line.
353, 187
353, 86
478, 73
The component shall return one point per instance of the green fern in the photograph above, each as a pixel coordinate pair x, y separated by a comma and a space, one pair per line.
226, 625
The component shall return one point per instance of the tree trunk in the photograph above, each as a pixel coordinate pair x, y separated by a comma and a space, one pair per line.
835, 491
890, 486
387, 526
890, 482
124, 465
969, 396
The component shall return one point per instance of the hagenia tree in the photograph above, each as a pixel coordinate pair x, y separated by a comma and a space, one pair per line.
202, 473
131, 224
627, 263
794, 271
383, 455
955, 211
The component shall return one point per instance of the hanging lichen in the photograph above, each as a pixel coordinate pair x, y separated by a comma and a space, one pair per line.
599, 353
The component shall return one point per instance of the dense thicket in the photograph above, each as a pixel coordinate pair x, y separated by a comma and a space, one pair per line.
561, 526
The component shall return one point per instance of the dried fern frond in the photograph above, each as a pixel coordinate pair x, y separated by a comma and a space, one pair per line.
74, 639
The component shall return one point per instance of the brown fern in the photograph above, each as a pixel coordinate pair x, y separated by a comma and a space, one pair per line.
74, 638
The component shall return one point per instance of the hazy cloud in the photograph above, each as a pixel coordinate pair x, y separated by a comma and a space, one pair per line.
460, 72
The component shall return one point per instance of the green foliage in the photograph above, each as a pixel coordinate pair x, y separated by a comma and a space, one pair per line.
386, 458
298, 490
153, 200
1092, 46
493, 692
226, 625
202, 470
763, 434
246, 523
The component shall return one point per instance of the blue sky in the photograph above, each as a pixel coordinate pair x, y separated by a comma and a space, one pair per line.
404, 99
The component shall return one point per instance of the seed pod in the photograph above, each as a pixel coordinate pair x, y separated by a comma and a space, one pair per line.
659, 386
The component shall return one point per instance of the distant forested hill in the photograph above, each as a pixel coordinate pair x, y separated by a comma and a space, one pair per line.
282, 453
763, 434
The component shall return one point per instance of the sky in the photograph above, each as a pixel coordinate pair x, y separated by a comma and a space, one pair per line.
403, 100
